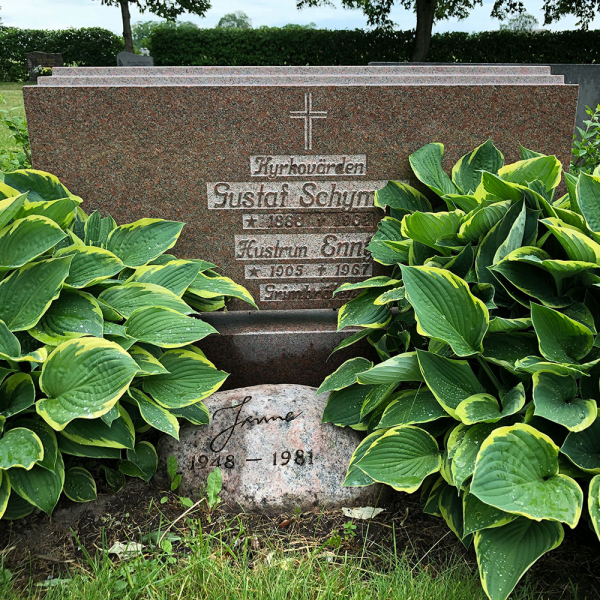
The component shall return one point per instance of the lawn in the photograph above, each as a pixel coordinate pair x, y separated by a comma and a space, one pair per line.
13, 95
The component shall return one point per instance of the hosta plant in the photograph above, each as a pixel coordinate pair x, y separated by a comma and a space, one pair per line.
97, 333
486, 395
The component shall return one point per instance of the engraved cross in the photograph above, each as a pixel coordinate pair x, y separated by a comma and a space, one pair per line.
308, 114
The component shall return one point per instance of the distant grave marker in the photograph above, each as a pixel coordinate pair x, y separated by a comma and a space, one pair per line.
130, 59
44, 60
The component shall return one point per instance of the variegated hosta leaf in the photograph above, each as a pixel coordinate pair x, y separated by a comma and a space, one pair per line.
9, 205
147, 363
210, 285
40, 487
27, 238
127, 298
505, 553
20, 448
362, 312
96, 229
464, 455
450, 381
10, 348
478, 516
428, 228
17, 393
72, 315
546, 169
354, 476
47, 437
191, 377
411, 407
17, 508
380, 281
136, 244
166, 328
141, 462
389, 229
95, 432
60, 211
176, 275
4, 492
445, 308
588, 200
426, 163
517, 471
593, 503
554, 399
345, 375
402, 367
80, 485
479, 221
576, 244
400, 196
26, 293
583, 447
196, 414
466, 173
39, 185
485, 407
83, 379
402, 458
89, 265
154, 414
68, 446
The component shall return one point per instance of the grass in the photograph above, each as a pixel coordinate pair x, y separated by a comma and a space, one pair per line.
13, 94
206, 566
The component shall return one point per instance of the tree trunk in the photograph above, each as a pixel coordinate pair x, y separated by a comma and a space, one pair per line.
127, 35
425, 16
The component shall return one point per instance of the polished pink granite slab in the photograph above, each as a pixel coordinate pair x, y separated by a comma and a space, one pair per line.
276, 182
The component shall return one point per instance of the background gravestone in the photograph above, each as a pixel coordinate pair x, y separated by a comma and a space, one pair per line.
274, 170
130, 59
273, 451
42, 59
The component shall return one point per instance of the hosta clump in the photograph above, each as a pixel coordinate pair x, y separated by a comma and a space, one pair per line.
96, 343
486, 396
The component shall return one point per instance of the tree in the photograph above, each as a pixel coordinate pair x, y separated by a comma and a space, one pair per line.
235, 20
142, 29
521, 23
583, 10
166, 9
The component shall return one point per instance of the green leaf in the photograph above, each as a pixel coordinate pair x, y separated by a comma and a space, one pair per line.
39, 185
95, 432
445, 308
354, 476
381, 281
426, 163
506, 349
402, 458
465, 454
481, 220
352, 339
450, 381
410, 407
546, 169
148, 364
154, 414
401, 196
345, 375
166, 328
68, 446
17, 393
362, 312
136, 244
115, 479
20, 448
141, 462
4, 492
517, 471
72, 315
39, 486
60, 211
83, 379
209, 285
89, 265
588, 199
26, 239
197, 413
505, 553
344, 406
190, 378
17, 508
127, 298
593, 503
80, 485
96, 229
478, 516
10, 206
562, 339
554, 399
575, 243
485, 408
428, 228
466, 173
176, 275
26, 293
393, 295
502, 325
47, 437
583, 448
399, 368
389, 229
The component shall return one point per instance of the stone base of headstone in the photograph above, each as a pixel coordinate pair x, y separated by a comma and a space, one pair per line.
274, 453
268, 346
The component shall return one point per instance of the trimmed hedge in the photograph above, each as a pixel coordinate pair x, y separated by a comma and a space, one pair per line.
274, 46
92, 46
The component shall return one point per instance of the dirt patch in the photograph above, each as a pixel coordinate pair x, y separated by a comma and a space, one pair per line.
41, 546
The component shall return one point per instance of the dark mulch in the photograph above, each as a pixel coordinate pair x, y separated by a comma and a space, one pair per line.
41, 546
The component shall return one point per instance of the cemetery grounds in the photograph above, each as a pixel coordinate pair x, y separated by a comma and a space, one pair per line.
148, 543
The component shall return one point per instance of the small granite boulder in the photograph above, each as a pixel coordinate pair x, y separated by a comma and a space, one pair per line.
273, 451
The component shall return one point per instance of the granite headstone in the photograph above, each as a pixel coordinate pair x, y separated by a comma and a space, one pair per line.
274, 171
42, 59
274, 453
131, 59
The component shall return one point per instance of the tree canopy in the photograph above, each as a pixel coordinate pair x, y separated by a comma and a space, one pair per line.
235, 20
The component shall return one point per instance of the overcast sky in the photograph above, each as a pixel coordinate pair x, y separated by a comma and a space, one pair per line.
58, 14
